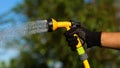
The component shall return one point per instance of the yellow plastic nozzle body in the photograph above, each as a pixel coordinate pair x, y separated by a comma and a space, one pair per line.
65, 24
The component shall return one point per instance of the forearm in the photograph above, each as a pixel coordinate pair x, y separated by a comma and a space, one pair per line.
110, 39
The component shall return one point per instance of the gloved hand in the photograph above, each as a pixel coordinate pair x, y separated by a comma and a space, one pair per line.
88, 38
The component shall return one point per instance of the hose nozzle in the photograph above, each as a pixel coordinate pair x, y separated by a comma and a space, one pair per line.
53, 25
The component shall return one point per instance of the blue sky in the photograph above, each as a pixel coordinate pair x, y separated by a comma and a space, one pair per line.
5, 6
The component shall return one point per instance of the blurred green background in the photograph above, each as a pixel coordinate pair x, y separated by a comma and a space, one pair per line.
50, 50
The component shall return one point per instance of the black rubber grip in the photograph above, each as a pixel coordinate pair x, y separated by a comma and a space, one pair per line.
50, 25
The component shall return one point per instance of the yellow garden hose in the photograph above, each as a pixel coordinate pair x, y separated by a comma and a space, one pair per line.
67, 24
81, 51
86, 64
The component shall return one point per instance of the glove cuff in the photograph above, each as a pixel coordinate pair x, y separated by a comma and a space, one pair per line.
94, 39
98, 39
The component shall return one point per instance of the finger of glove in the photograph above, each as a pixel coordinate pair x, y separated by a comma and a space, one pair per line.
71, 38
72, 41
70, 32
73, 48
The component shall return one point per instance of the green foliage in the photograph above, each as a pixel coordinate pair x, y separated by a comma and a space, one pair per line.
97, 16
2, 65
13, 63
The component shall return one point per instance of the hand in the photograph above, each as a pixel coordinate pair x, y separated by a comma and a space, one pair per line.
87, 37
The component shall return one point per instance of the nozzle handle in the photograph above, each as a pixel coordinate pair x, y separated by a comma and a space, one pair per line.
81, 52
